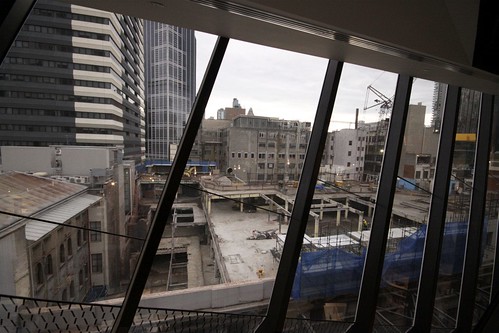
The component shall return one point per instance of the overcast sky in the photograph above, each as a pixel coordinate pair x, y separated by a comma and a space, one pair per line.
287, 85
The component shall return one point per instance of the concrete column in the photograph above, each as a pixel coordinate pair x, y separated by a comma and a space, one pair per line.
321, 212
241, 204
286, 205
208, 205
369, 211
316, 228
361, 221
338, 217
346, 211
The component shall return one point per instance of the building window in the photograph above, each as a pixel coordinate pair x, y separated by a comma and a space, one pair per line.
350, 142
97, 263
39, 274
78, 238
72, 289
418, 174
70, 247
348, 164
85, 232
233, 155
95, 235
80, 278
64, 296
245, 155
252, 155
349, 153
62, 254
50, 269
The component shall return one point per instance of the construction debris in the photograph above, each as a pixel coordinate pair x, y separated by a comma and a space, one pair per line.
258, 235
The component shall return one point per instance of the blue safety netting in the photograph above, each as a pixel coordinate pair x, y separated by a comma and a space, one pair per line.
335, 272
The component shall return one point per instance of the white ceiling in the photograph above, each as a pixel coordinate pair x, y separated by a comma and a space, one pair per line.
431, 39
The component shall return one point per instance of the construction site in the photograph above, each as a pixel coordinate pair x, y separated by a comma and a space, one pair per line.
223, 232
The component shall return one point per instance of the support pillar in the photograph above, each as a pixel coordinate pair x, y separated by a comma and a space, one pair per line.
346, 211
338, 217
316, 227
321, 212
361, 222
208, 198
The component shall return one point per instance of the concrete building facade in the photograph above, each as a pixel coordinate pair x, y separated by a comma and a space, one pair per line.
107, 176
266, 149
45, 260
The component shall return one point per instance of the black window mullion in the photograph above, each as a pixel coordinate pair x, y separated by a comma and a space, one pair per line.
150, 246
371, 277
434, 233
276, 313
474, 240
14, 13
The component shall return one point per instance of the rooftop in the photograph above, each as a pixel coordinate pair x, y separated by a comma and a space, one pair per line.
26, 195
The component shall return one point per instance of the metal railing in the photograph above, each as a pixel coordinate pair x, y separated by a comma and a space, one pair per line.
21, 314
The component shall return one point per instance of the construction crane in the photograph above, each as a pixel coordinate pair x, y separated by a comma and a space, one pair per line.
385, 104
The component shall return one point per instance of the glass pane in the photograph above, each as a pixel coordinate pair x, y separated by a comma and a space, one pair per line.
456, 224
328, 276
240, 182
410, 210
489, 241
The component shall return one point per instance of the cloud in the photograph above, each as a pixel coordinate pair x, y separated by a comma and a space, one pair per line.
287, 85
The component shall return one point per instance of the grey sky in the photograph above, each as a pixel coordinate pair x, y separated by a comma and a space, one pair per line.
287, 85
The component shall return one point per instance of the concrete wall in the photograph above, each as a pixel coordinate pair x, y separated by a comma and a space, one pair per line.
210, 297
75, 161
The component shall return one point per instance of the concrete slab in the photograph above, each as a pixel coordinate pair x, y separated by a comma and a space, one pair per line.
244, 257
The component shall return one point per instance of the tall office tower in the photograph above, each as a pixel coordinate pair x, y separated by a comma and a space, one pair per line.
75, 76
439, 93
170, 86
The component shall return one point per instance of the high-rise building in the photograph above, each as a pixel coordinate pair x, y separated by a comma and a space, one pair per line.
170, 86
439, 93
75, 76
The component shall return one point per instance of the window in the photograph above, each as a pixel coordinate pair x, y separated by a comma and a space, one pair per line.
349, 153
95, 236
80, 278
252, 155
418, 174
78, 238
245, 155
97, 263
350, 142
62, 254
39, 274
50, 265
238, 155
70, 247
348, 164
72, 289
233, 155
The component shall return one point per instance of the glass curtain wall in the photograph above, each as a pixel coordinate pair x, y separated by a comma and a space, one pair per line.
78, 196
